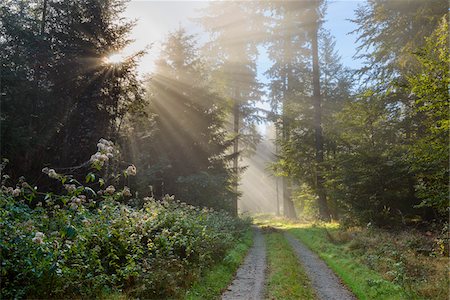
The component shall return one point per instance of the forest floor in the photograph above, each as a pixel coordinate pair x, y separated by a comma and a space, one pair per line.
325, 283
250, 277
253, 275
291, 260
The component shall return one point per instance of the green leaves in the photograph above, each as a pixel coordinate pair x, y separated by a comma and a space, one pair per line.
80, 252
93, 193
429, 155
90, 177
69, 232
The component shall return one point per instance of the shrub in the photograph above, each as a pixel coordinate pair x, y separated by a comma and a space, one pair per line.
155, 251
85, 243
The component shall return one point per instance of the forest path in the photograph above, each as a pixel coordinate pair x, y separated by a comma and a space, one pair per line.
250, 277
325, 283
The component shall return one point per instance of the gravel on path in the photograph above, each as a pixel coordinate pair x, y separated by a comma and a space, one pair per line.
325, 283
250, 277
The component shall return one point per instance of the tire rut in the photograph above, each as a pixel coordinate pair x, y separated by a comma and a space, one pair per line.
325, 283
249, 281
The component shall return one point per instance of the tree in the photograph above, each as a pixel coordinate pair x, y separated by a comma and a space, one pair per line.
391, 32
191, 142
294, 88
286, 44
231, 53
321, 193
429, 87
57, 79
369, 175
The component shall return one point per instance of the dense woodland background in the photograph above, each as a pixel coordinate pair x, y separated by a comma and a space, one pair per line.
367, 145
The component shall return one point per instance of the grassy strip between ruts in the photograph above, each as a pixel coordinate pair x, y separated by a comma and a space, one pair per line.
214, 281
286, 278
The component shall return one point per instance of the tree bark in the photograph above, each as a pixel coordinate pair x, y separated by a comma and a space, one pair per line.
276, 177
321, 192
44, 13
288, 204
236, 116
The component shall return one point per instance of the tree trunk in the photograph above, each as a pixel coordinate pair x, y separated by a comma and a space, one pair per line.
44, 13
276, 177
288, 204
321, 193
236, 116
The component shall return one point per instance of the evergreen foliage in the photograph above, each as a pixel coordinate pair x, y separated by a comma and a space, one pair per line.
55, 77
189, 126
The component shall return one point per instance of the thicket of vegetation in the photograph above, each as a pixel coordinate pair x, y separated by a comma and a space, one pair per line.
379, 264
85, 243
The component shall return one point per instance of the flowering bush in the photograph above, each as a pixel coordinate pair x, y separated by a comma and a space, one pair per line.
85, 243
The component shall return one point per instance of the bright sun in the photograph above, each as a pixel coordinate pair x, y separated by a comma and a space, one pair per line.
115, 58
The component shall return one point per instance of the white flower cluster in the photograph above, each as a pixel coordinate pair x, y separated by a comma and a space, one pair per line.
51, 173
16, 192
38, 238
126, 192
105, 151
110, 190
76, 202
131, 171
70, 187
10, 190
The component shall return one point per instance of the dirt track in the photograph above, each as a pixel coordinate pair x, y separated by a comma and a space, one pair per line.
249, 282
250, 277
325, 283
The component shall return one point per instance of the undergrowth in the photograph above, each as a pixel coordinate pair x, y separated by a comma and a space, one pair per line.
214, 281
86, 243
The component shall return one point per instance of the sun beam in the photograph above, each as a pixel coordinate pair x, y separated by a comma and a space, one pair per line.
115, 59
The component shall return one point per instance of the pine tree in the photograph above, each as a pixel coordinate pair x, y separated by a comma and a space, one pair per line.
288, 51
72, 97
190, 140
232, 52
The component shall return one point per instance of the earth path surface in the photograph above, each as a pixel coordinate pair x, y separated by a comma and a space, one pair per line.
325, 283
250, 277
249, 282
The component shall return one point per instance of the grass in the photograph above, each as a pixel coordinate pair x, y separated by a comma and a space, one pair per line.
363, 281
376, 263
213, 282
286, 278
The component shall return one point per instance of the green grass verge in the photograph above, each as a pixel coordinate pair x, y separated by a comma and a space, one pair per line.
364, 282
374, 263
286, 278
213, 282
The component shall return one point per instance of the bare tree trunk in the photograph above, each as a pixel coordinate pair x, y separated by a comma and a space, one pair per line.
288, 204
44, 13
276, 177
236, 116
321, 193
